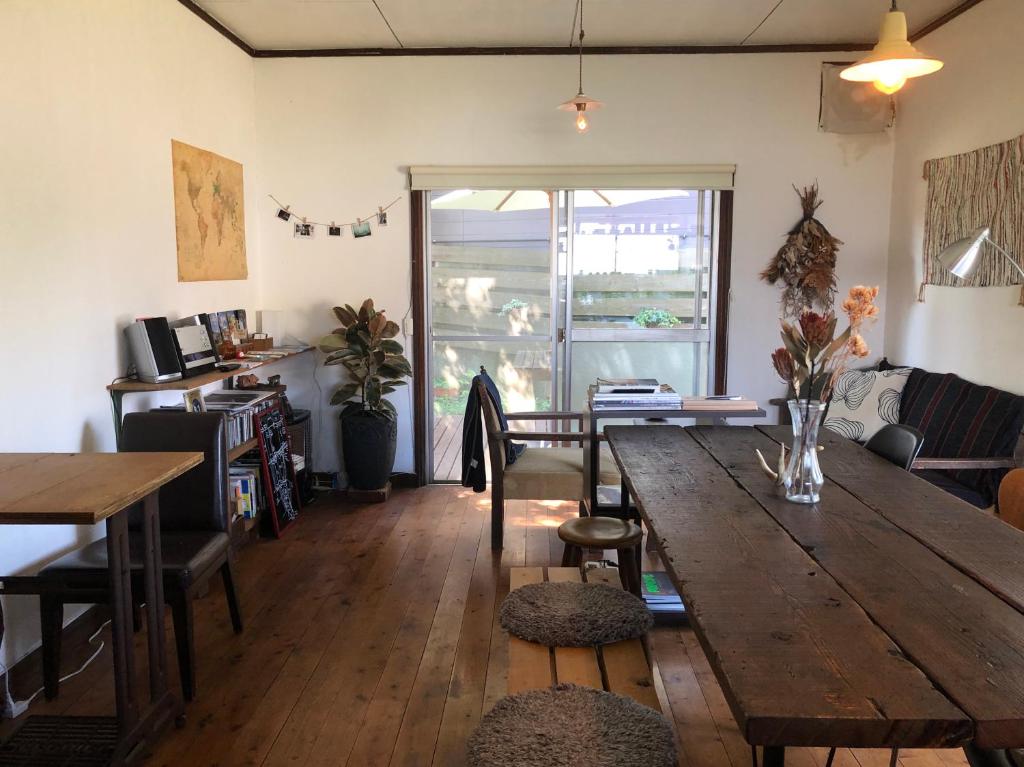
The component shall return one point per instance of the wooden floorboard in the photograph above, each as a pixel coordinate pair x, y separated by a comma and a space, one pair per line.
372, 638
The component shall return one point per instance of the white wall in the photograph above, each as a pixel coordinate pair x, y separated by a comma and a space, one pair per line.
974, 101
92, 94
336, 137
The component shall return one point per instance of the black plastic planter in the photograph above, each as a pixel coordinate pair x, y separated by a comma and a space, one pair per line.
368, 443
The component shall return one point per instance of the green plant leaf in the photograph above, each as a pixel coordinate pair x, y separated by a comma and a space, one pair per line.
331, 343
344, 393
397, 360
388, 371
388, 409
391, 347
345, 315
395, 383
343, 354
390, 329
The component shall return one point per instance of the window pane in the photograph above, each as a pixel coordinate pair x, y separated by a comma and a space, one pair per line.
681, 365
490, 263
638, 257
520, 369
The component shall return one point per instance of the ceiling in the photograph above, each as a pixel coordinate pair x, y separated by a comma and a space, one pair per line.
327, 24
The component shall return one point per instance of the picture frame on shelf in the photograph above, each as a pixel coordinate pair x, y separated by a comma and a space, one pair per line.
194, 401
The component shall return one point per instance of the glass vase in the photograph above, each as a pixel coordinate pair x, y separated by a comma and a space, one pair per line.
803, 478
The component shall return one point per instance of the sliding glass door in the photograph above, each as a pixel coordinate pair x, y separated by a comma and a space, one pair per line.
639, 272
550, 290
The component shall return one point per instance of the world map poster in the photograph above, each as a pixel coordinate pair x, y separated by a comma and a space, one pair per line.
209, 215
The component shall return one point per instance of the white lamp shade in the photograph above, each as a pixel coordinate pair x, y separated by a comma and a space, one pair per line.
961, 257
893, 59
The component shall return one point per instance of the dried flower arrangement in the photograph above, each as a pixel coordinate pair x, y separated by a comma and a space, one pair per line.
811, 361
813, 355
806, 263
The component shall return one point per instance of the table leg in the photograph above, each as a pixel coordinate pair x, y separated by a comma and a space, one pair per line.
591, 466
121, 622
138, 726
774, 756
154, 597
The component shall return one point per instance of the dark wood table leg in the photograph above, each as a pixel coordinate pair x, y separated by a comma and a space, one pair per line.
774, 756
592, 466
121, 622
154, 598
138, 728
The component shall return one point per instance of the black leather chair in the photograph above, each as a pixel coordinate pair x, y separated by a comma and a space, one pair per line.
897, 444
194, 538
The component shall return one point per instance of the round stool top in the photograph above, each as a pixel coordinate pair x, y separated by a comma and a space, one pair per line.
600, 532
574, 614
568, 726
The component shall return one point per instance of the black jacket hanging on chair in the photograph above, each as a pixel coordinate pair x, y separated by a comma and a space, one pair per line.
474, 436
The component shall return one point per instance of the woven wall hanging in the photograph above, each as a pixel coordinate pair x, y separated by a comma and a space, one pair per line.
980, 188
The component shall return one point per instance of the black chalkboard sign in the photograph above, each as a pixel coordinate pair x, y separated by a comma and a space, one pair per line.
278, 470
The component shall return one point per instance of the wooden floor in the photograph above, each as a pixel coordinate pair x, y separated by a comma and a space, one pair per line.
372, 639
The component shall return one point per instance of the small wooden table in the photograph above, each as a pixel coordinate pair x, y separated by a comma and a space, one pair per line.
84, 489
890, 614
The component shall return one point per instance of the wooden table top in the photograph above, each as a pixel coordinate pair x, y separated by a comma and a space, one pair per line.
81, 488
890, 614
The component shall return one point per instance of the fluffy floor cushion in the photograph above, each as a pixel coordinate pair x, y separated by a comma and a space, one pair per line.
570, 726
574, 614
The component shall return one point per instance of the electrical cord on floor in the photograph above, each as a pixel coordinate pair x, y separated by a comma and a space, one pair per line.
12, 709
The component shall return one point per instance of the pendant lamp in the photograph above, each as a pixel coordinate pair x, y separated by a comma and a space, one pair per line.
581, 103
893, 60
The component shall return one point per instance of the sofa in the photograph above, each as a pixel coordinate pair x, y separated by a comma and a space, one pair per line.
972, 433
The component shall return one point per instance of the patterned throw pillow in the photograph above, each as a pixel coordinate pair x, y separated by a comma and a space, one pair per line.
865, 401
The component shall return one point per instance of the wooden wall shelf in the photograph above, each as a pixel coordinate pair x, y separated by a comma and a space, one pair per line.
118, 390
191, 383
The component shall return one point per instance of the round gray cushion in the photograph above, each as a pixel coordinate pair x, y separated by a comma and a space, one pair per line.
570, 726
574, 614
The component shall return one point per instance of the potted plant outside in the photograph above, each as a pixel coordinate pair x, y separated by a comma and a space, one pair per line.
364, 345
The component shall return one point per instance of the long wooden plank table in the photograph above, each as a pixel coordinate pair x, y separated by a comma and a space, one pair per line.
850, 623
80, 489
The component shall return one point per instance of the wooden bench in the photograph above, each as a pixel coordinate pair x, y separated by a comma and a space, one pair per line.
622, 667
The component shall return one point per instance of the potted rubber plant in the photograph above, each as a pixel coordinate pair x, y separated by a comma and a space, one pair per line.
375, 363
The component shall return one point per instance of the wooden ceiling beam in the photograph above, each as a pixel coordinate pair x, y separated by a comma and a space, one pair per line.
562, 50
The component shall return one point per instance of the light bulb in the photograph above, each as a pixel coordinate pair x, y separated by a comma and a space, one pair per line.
890, 84
581, 122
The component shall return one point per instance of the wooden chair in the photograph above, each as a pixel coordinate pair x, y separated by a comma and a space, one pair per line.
1011, 499
194, 542
540, 473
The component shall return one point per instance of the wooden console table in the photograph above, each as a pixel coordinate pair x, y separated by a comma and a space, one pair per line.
85, 489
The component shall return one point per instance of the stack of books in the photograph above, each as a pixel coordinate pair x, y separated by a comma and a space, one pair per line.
238, 406
633, 394
659, 593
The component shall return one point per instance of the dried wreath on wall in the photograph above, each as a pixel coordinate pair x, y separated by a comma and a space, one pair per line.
806, 263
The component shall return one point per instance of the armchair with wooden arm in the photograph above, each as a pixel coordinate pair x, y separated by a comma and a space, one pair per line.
539, 473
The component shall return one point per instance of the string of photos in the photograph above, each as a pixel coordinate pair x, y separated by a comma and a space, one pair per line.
305, 228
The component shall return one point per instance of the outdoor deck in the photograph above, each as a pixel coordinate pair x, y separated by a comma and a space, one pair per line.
448, 448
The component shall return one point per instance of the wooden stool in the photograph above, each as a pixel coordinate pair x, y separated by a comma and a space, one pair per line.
604, 533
